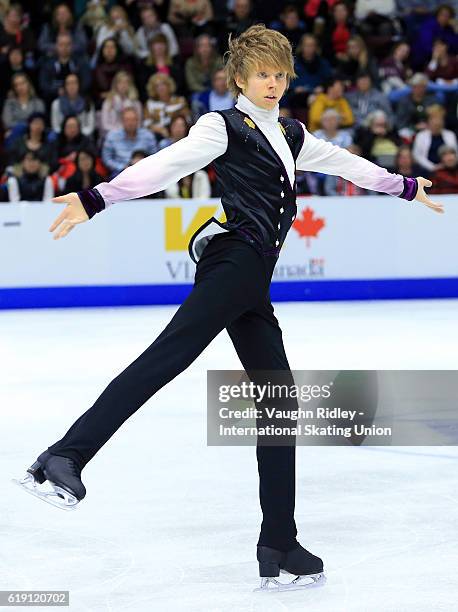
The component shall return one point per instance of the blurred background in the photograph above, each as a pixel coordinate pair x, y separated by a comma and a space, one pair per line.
379, 77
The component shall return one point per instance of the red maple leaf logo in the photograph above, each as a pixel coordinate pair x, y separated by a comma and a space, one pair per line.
308, 226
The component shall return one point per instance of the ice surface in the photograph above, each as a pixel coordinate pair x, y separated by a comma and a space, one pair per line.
170, 524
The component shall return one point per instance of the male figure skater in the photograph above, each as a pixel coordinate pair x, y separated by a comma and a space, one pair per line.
255, 154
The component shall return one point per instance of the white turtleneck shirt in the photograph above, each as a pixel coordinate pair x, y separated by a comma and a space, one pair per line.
207, 140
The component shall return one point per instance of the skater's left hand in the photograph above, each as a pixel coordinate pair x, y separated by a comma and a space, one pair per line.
422, 196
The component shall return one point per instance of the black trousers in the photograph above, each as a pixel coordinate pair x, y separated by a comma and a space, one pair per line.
231, 291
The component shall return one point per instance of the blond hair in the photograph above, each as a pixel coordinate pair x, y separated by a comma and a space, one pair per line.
132, 92
363, 56
153, 82
435, 110
258, 46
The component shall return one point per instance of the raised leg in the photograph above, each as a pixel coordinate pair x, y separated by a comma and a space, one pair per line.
228, 282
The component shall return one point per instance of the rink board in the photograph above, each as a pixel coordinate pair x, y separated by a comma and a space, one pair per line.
136, 253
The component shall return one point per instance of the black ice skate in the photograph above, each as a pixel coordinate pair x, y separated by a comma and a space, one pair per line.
61, 480
307, 568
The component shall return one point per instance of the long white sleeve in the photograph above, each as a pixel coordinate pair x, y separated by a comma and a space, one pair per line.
206, 141
320, 156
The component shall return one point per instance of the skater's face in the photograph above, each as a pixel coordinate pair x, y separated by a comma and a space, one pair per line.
265, 86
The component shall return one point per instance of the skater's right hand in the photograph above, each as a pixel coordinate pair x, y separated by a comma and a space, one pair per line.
72, 214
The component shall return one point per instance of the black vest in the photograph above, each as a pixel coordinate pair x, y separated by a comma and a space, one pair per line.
258, 200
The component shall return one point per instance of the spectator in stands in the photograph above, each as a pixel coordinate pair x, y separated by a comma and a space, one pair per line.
404, 162
428, 141
148, 55
14, 64
330, 124
337, 33
4, 6
21, 103
216, 98
365, 9
55, 69
62, 22
189, 16
123, 94
178, 129
201, 67
433, 27
290, 25
312, 70
443, 67
451, 108
120, 144
240, 18
71, 140
31, 184
356, 59
94, 17
378, 24
332, 98
36, 140
118, 27
318, 10
418, 7
313, 182
12, 34
163, 105
71, 102
377, 139
85, 175
159, 60
110, 60
411, 108
394, 72
445, 178
149, 28
365, 99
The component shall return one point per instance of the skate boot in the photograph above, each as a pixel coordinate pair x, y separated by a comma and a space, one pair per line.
61, 480
307, 568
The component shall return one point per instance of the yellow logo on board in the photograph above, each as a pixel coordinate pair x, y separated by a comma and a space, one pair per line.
177, 237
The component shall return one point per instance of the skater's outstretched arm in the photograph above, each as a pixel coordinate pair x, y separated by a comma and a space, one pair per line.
206, 141
318, 155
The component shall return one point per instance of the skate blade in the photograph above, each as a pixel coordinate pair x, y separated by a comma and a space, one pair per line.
269, 585
57, 497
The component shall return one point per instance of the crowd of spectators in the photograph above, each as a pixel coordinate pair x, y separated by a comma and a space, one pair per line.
89, 87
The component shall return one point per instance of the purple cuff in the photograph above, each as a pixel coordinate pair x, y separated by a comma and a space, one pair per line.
92, 201
410, 188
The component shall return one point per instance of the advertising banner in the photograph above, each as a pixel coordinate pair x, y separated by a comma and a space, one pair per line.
137, 252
